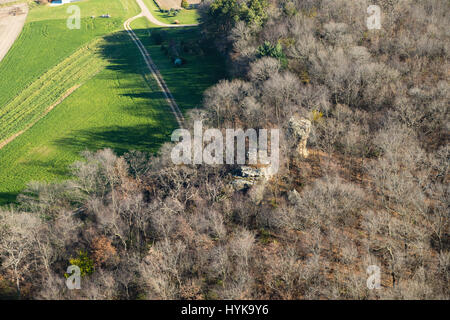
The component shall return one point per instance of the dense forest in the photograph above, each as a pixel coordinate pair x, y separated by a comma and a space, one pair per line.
372, 190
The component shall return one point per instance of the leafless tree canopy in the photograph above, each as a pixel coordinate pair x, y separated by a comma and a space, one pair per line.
374, 190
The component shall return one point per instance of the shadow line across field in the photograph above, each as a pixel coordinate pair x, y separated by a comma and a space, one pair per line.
123, 138
121, 108
115, 109
187, 83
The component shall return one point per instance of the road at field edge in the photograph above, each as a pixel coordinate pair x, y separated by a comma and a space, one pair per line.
145, 12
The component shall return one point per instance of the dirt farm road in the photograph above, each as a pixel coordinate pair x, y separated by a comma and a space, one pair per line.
148, 60
12, 19
146, 13
12, 34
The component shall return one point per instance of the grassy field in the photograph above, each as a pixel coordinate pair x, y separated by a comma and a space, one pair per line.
29, 105
186, 16
45, 40
187, 82
118, 106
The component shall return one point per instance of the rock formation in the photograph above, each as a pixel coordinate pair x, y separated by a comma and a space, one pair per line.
298, 132
248, 176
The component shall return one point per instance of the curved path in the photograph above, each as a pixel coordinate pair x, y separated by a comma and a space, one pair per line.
155, 72
145, 12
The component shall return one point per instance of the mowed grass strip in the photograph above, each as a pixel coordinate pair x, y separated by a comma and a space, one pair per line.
201, 70
45, 40
32, 102
121, 107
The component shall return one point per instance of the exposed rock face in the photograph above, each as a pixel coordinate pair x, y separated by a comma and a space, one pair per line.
298, 132
241, 184
248, 176
254, 180
249, 172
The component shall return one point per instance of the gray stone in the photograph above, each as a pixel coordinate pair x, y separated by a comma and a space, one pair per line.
249, 176
247, 171
298, 132
241, 184
294, 197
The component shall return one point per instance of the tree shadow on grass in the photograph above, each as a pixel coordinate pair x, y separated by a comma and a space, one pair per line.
124, 58
186, 82
119, 138
122, 53
48, 166
7, 198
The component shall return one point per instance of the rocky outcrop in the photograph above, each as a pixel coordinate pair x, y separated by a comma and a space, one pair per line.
298, 132
294, 197
247, 176
241, 183
253, 180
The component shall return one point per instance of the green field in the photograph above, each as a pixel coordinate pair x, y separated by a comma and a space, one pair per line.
118, 106
115, 109
45, 41
186, 16
187, 82
29, 105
